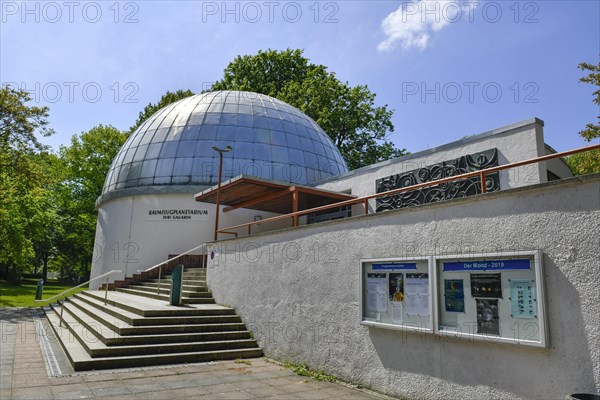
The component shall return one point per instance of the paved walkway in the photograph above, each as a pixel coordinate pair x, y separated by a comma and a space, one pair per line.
23, 375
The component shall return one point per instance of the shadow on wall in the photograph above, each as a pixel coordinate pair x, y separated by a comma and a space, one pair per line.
565, 367
286, 295
568, 339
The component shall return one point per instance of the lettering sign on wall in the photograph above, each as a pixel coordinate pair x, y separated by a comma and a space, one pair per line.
177, 214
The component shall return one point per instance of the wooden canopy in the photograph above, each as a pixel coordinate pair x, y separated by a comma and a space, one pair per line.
271, 196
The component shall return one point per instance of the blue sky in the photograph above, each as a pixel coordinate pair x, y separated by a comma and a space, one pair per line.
447, 68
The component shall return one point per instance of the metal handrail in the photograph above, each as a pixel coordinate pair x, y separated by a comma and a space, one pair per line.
159, 266
62, 294
176, 257
62, 306
78, 286
365, 199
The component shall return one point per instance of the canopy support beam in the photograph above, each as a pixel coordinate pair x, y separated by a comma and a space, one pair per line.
260, 199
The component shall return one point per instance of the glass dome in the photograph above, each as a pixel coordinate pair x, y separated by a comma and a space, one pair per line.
270, 139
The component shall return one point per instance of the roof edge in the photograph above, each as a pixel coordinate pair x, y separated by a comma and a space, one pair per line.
149, 190
264, 180
456, 143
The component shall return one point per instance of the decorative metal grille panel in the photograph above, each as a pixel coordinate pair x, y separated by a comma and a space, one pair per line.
444, 191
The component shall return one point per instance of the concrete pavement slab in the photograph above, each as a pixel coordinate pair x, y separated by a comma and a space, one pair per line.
24, 375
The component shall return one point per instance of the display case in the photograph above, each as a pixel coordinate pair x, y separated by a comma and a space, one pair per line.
495, 297
397, 293
492, 296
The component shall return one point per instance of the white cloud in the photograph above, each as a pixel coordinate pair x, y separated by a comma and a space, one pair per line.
413, 23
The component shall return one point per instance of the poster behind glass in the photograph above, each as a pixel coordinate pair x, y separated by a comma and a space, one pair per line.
397, 293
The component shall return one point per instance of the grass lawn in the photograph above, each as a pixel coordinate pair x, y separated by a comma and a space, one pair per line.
23, 295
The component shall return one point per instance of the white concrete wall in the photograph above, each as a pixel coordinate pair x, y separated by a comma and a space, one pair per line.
127, 239
557, 165
517, 142
559, 168
298, 290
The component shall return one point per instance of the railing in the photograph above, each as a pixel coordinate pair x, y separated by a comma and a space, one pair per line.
63, 294
160, 265
365, 200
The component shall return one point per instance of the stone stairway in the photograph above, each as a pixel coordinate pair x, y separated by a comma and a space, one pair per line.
136, 326
194, 289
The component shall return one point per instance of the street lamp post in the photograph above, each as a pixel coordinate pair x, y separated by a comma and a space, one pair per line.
220, 151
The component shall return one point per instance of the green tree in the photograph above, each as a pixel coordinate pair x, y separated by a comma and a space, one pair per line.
267, 72
588, 162
45, 220
165, 100
584, 163
23, 181
347, 114
592, 131
19, 123
16, 195
85, 164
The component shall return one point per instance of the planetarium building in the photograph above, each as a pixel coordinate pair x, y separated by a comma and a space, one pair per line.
147, 209
467, 270
159, 195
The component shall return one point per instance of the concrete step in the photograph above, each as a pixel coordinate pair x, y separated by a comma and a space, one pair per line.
198, 278
83, 361
94, 318
138, 306
186, 282
167, 285
198, 271
167, 291
188, 273
109, 326
92, 340
136, 325
165, 297
194, 270
125, 316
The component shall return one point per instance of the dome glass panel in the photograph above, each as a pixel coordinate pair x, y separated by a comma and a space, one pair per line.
270, 139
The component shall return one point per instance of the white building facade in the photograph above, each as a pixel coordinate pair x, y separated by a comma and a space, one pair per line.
439, 292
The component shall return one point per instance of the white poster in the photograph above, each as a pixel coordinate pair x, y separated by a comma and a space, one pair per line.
397, 316
417, 294
377, 292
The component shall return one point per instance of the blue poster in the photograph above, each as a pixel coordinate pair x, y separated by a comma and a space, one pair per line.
454, 296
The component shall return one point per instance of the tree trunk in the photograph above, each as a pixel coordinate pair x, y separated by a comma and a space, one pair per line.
13, 274
45, 270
